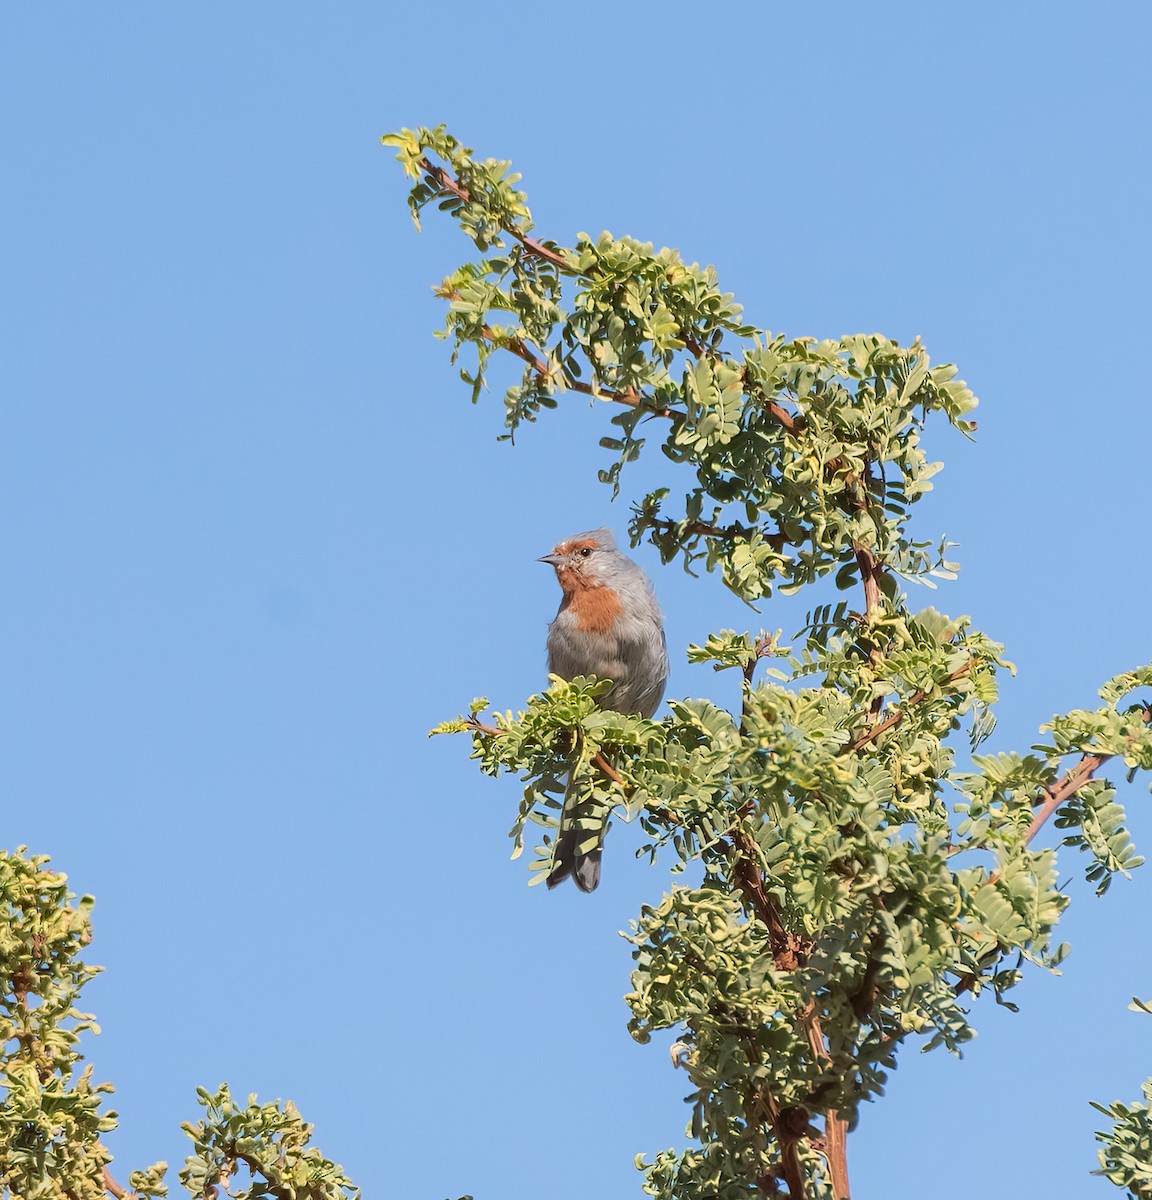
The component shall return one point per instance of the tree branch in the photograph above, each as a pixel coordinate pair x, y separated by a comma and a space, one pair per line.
870, 572
479, 727
761, 648
762, 1108
789, 422
785, 946
630, 397
1072, 781
446, 183
606, 769
727, 533
784, 1126
897, 715
835, 1127
1069, 784
523, 351
787, 953
836, 1154
116, 1189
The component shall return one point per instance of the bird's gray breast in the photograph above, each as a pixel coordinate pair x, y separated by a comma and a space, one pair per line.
632, 654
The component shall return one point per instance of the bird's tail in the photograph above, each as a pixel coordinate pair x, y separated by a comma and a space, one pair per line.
579, 843
584, 868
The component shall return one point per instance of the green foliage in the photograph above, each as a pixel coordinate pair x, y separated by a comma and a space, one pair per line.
1126, 1158
616, 320
848, 881
1126, 1146
268, 1141
51, 1120
50, 1117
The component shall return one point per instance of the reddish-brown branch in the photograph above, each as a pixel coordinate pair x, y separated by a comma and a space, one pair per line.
1072, 781
897, 715
790, 1165
761, 649
870, 572
835, 1148
115, 1189
785, 948
785, 419
788, 1125
520, 348
447, 183
789, 422
630, 397
836, 1154
608, 771
1069, 784
787, 953
476, 726
598, 760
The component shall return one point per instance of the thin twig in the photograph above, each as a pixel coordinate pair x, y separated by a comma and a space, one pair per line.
760, 649
447, 183
726, 533
629, 397
606, 769
871, 572
116, 1189
598, 760
476, 726
1068, 786
789, 422
523, 351
1055, 795
896, 716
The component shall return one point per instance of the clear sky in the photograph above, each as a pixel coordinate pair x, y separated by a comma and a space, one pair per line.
256, 542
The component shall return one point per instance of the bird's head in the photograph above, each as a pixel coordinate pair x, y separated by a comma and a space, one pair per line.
585, 560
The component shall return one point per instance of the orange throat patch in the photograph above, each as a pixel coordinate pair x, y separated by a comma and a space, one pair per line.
596, 609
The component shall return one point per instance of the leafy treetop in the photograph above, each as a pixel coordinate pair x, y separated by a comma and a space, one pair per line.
854, 882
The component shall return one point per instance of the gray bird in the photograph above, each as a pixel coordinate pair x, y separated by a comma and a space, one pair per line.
609, 625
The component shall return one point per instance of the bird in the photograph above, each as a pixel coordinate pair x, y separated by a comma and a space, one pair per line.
608, 625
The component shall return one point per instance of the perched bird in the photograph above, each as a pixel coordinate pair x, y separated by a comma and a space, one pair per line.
609, 625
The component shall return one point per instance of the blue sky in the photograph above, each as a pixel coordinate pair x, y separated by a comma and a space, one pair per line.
256, 541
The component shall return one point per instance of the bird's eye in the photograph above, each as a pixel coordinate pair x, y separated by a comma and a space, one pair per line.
585, 551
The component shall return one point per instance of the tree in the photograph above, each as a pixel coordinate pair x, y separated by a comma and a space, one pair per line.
843, 902
52, 1119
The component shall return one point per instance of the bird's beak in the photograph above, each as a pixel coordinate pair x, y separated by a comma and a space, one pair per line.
553, 560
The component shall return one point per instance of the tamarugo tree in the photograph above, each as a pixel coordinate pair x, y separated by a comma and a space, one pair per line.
858, 882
